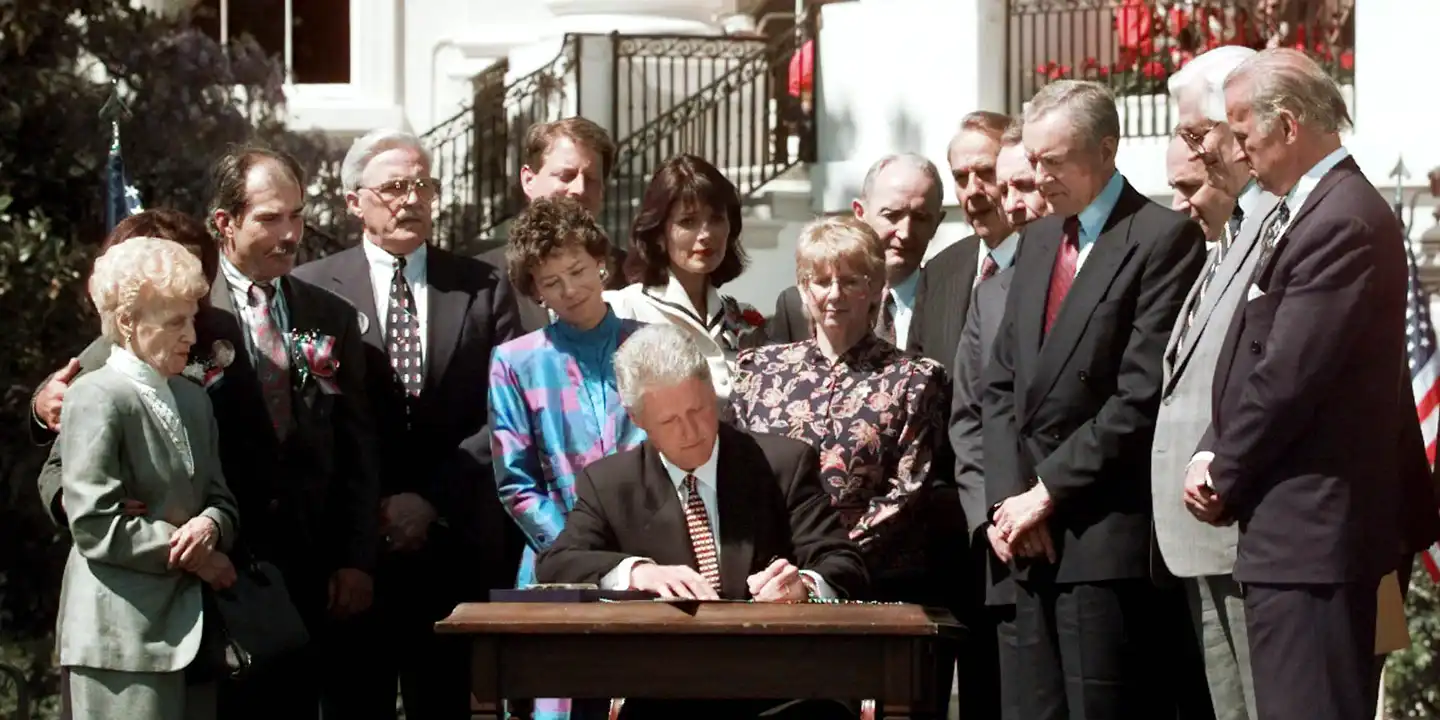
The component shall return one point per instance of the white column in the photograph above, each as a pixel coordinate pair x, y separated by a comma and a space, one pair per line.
870, 104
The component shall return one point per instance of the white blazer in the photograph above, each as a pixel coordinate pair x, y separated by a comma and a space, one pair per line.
730, 327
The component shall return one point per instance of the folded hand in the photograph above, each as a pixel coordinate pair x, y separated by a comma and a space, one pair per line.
405, 520
1019, 513
351, 592
1201, 499
217, 571
1034, 543
671, 581
999, 544
780, 582
191, 544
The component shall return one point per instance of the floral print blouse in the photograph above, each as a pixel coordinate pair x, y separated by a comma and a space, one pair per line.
875, 415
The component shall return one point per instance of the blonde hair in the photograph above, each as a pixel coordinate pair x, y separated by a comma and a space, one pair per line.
830, 241
141, 271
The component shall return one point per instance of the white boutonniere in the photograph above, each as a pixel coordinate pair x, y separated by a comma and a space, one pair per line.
312, 355
742, 327
208, 372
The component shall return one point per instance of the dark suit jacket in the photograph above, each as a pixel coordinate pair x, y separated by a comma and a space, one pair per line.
1078, 409
308, 503
971, 354
1304, 424
789, 325
532, 316
442, 450
771, 504
942, 301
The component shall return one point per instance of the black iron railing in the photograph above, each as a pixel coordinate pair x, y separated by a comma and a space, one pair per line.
1134, 46
478, 152
727, 100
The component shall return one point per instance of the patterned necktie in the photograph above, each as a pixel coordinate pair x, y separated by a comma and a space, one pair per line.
1062, 275
1270, 238
402, 334
987, 269
885, 324
272, 362
1227, 239
707, 561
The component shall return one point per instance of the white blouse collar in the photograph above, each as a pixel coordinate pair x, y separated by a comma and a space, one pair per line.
127, 364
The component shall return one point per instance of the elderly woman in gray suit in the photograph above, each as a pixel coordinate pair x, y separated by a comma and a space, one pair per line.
134, 429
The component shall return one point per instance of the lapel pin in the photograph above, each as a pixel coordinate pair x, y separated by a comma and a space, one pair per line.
223, 352
364, 321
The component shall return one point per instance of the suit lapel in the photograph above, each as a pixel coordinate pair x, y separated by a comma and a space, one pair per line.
1225, 276
665, 527
736, 512
1029, 317
1327, 183
448, 305
224, 323
1093, 280
352, 279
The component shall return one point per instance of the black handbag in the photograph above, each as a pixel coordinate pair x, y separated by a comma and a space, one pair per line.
249, 625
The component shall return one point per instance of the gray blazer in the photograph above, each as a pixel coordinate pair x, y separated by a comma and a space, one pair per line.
977, 338
121, 606
1189, 547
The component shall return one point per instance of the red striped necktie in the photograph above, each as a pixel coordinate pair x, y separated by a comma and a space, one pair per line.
707, 561
1062, 275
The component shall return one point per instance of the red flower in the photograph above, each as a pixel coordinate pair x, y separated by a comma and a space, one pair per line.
753, 318
1347, 60
1153, 70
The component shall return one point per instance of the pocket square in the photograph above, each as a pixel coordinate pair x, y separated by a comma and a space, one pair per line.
1254, 292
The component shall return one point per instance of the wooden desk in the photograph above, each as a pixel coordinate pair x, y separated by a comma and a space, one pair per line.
704, 651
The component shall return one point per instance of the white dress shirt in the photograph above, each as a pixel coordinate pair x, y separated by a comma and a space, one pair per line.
904, 294
705, 478
1004, 254
382, 271
250, 317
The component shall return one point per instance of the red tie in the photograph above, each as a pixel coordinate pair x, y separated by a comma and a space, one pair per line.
987, 269
1062, 276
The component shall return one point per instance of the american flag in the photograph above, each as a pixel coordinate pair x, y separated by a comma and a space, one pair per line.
1424, 378
122, 199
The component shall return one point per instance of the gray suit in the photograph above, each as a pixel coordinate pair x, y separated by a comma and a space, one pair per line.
129, 624
1204, 555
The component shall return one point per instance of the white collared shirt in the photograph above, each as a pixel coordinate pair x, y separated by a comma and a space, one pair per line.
1295, 199
1004, 254
904, 294
705, 484
382, 272
250, 317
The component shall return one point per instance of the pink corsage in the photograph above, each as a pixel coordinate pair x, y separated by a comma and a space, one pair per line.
312, 354
209, 372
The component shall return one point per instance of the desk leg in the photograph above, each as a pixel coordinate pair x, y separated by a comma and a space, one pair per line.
485, 673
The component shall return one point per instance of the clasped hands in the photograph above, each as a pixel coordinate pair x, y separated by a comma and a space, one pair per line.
192, 549
1018, 527
1200, 498
779, 582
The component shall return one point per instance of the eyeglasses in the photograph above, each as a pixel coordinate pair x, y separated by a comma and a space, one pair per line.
424, 188
852, 285
1195, 141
